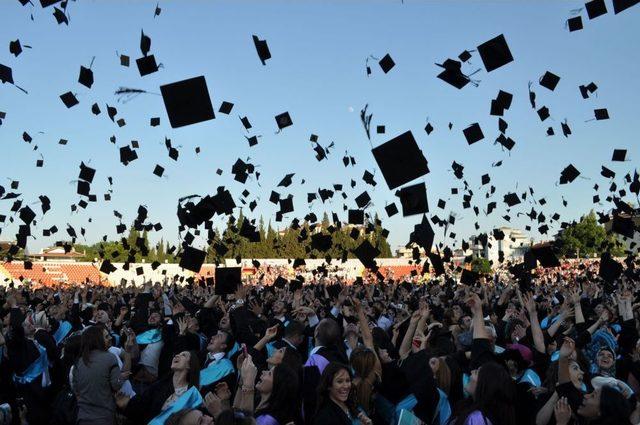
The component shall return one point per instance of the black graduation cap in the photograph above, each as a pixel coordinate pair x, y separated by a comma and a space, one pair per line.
367, 253
262, 49
610, 269
549, 80
452, 74
107, 267
356, 217
86, 173
283, 120
469, 277
226, 107
607, 173
507, 142
569, 174
422, 235
363, 200
192, 259
60, 16
595, 8
380, 129
86, 77
286, 205
124, 60
391, 209
400, 160
511, 199
368, 178
473, 133
386, 63
413, 199
127, 155
619, 155
545, 255
187, 102
575, 23
147, 65
69, 99
245, 123
6, 75
601, 114
543, 113
95, 109
158, 170
227, 280
286, 181
15, 48
428, 128
621, 5
566, 131
495, 53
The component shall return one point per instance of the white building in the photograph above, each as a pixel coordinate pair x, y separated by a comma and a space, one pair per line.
513, 246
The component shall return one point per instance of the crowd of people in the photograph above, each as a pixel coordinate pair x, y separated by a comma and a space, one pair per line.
564, 348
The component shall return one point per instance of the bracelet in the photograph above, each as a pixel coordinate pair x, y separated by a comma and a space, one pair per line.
248, 390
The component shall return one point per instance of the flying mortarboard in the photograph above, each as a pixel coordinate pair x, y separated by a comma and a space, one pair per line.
495, 53
187, 102
473, 133
549, 80
595, 8
228, 279
262, 48
413, 199
386, 63
147, 65
192, 259
400, 160
619, 155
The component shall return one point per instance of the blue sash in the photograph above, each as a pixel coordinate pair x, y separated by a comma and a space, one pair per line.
116, 339
216, 371
149, 337
270, 349
40, 367
63, 330
407, 403
203, 341
443, 411
189, 400
531, 377
234, 349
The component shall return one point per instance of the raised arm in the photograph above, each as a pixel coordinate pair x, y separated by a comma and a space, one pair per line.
568, 347
536, 331
405, 347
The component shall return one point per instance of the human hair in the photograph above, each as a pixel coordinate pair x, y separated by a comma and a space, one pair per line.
443, 375
494, 396
363, 362
229, 417
328, 332
326, 382
193, 376
284, 401
293, 329
614, 408
177, 417
92, 339
292, 359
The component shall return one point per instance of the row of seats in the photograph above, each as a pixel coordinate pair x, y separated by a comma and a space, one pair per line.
52, 273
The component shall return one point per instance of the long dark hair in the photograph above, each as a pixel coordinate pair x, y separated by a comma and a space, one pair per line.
194, 370
284, 401
326, 382
494, 396
614, 408
92, 339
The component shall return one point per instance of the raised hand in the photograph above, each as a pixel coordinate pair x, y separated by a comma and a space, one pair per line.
562, 411
567, 348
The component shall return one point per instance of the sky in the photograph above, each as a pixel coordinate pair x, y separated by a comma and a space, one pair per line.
317, 74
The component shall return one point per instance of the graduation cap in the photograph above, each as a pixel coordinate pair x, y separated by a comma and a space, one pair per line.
158, 170
422, 235
187, 102
69, 99
147, 65
192, 259
543, 113
601, 114
452, 74
127, 155
622, 5
595, 8
391, 210
86, 77
124, 60
400, 160
566, 131
86, 173
428, 128
469, 277
413, 199
473, 133
15, 48
610, 269
107, 267
607, 173
549, 80
228, 279
283, 120
511, 199
386, 63
619, 155
356, 217
575, 23
60, 16
262, 49
546, 256
286, 181
225, 107
367, 253
363, 200
154, 122
368, 178
569, 174
495, 53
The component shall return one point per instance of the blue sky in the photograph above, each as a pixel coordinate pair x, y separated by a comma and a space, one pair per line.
317, 73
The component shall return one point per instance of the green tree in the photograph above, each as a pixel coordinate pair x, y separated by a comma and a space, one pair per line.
481, 265
587, 238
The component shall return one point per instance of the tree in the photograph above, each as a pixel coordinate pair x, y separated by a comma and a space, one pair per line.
481, 265
586, 238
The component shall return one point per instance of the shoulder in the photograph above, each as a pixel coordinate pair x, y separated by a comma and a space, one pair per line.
266, 420
477, 418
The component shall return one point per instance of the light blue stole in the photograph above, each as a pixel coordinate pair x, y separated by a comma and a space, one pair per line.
63, 330
443, 410
531, 377
270, 349
216, 371
40, 367
149, 337
234, 349
189, 400
116, 339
